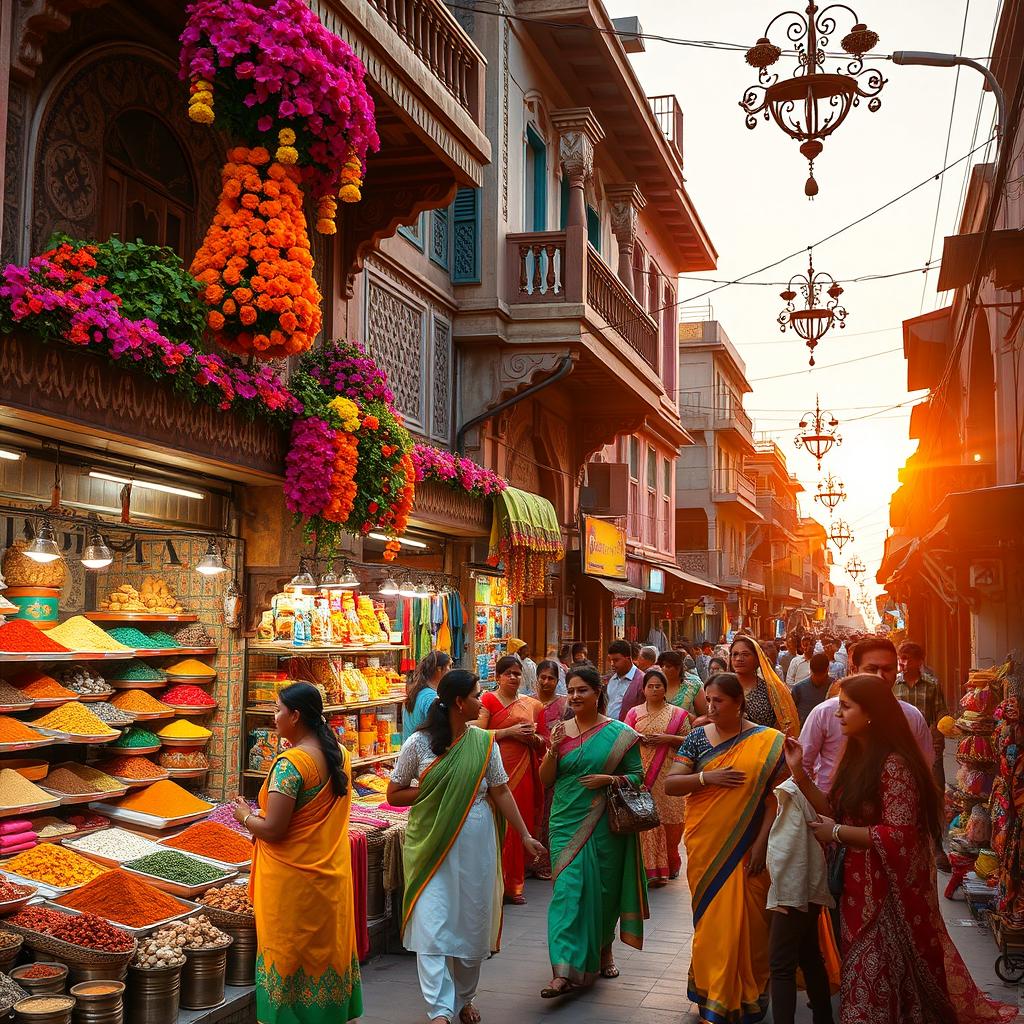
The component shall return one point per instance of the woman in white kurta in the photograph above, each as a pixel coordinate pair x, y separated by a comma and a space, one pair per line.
453, 886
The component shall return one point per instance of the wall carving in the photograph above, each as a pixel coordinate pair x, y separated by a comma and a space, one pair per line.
14, 170
440, 505
516, 370
394, 336
521, 465
441, 381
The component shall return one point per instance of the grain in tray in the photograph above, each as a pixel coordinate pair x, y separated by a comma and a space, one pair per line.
17, 791
116, 844
79, 634
76, 719
53, 865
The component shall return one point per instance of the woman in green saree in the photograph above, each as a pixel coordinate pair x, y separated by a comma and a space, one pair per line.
599, 877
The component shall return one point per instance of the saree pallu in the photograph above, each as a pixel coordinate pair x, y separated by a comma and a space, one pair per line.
729, 969
787, 719
307, 970
549, 717
598, 876
899, 963
522, 764
660, 846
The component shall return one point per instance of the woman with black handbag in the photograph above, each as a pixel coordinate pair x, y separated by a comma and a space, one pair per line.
594, 765
728, 770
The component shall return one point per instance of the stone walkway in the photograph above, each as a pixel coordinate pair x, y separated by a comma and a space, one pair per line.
652, 988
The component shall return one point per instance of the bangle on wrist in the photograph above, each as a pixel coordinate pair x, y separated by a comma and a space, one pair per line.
835, 834
701, 778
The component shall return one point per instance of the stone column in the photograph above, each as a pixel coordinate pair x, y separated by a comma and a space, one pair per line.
578, 133
626, 204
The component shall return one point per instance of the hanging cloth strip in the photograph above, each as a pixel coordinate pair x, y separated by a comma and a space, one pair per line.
525, 536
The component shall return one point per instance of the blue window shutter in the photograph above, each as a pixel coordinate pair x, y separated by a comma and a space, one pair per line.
564, 204
439, 239
540, 179
466, 236
593, 228
413, 233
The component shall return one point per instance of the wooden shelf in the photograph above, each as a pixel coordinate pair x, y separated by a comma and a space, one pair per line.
173, 652
358, 762
140, 617
329, 708
286, 650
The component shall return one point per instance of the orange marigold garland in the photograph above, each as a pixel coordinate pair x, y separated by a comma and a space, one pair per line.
255, 261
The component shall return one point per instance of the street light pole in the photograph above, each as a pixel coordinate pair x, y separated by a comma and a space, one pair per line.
925, 58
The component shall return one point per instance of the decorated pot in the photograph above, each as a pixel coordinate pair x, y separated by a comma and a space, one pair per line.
38, 605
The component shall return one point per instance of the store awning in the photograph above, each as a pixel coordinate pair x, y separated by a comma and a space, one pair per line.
1004, 259
981, 518
926, 340
695, 582
525, 536
623, 590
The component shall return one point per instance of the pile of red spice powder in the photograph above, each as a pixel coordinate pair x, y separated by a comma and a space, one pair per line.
23, 636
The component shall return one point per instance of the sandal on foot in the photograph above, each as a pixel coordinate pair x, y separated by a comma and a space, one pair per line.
609, 971
516, 901
469, 1014
564, 989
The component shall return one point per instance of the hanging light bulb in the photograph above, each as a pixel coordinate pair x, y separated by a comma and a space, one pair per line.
302, 580
330, 581
407, 588
43, 547
211, 564
389, 588
96, 554
422, 590
349, 580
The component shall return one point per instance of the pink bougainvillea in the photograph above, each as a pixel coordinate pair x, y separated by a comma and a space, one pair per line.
455, 470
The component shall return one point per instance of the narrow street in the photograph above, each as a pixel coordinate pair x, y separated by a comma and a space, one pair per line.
652, 987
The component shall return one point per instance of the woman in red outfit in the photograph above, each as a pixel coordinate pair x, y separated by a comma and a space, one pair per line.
513, 720
899, 963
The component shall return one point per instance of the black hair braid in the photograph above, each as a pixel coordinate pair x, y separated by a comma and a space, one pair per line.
306, 700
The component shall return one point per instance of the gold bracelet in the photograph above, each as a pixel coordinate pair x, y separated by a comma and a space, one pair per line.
701, 777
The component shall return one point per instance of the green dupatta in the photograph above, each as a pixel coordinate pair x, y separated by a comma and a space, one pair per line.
446, 794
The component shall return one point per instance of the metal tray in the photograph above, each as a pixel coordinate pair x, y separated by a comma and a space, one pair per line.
90, 698
111, 616
7, 709
131, 751
43, 805
195, 741
109, 862
176, 888
192, 680
136, 783
186, 773
10, 906
68, 799
147, 716
172, 652
72, 835
149, 820
138, 684
44, 740
52, 702
74, 737
139, 933
235, 866
186, 709
42, 889
23, 656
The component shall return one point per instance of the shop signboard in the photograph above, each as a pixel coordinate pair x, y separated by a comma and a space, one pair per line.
656, 581
604, 549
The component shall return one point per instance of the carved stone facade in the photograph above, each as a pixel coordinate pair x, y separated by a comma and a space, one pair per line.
626, 204
578, 133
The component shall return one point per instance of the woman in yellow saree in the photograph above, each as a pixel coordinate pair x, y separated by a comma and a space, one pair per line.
307, 971
728, 770
767, 697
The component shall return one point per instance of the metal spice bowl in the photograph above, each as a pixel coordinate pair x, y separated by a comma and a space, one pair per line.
153, 994
41, 986
98, 1002
203, 977
27, 1011
241, 969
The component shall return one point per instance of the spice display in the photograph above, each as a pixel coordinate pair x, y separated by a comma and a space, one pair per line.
10, 992
139, 702
156, 951
17, 635
197, 932
183, 729
17, 791
107, 712
154, 596
117, 844
188, 697
123, 898
233, 898
74, 718
79, 634
64, 781
8, 939
194, 759
129, 636
82, 680
40, 687
135, 737
43, 1004
210, 839
42, 971
98, 781
13, 731
136, 671
195, 635
54, 865
12, 891
10, 695
190, 668
83, 929
164, 799
47, 827
129, 767
176, 867
161, 639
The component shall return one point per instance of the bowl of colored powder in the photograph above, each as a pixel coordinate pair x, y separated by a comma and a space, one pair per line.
162, 805
16, 735
73, 789
190, 668
44, 690
12, 699
53, 865
18, 795
19, 637
214, 841
189, 698
137, 674
142, 706
74, 719
133, 770
126, 900
179, 873
183, 733
137, 740
79, 634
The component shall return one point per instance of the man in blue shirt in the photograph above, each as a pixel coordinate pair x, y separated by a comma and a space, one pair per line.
625, 685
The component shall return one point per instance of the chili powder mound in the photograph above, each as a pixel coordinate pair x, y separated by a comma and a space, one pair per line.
121, 897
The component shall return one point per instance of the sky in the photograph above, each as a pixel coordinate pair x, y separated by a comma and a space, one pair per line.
747, 186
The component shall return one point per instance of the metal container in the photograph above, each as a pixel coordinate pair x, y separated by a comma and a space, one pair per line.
9, 955
203, 977
99, 1002
25, 1011
77, 972
241, 955
153, 994
41, 986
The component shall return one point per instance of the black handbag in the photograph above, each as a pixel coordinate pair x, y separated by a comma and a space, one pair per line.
631, 808
836, 861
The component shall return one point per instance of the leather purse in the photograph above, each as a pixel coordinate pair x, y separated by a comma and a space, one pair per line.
631, 808
836, 863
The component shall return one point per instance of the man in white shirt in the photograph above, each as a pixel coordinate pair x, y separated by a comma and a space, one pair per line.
800, 667
625, 685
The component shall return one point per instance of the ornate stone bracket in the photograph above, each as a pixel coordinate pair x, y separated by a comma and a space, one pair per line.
517, 370
578, 133
34, 22
626, 204
596, 432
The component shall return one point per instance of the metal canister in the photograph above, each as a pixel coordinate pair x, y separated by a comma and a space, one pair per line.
41, 986
153, 994
99, 1002
203, 977
48, 1009
241, 956
9, 955
78, 972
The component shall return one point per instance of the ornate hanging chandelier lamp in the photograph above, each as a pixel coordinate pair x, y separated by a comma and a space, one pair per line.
815, 315
831, 491
855, 568
840, 534
818, 432
811, 104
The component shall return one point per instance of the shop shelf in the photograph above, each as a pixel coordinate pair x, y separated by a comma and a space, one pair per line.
359, 762
268, 709
23, 656
284, 649
140, 617
173, 652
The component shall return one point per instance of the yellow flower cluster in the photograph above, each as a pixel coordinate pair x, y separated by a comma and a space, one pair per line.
200, 101
347, 411
351, 181
286, 151
326, 209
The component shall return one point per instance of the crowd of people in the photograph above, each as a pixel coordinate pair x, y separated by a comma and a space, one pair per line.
800, 780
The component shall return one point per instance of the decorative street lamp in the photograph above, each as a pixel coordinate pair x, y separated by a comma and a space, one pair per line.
840, 534
813, 103
831, 491
818, 432
856, 568
813, 320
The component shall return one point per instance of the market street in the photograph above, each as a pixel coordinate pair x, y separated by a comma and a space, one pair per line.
653, 980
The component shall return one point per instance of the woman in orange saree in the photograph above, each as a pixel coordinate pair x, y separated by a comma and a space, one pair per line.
307, 970
513, 720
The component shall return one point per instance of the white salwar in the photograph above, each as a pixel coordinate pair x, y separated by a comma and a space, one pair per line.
451, 926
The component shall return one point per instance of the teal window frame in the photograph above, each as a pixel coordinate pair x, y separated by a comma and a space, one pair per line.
540, 178
593, 219
414, 233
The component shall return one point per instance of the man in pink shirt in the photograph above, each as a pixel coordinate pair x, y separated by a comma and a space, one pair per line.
822, 736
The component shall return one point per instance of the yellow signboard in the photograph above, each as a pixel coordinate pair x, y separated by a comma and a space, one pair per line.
691, 332
604, 549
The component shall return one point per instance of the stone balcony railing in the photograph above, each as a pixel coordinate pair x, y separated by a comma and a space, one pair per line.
732, 482
546, 267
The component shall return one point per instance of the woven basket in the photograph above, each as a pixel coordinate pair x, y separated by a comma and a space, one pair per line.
227, 918
68, 952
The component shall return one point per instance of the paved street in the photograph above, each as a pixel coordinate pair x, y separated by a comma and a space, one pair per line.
653, 983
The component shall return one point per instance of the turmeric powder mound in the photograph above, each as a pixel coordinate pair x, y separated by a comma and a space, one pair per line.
76, 720
190, 668
164, 799
139, 702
